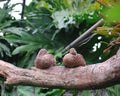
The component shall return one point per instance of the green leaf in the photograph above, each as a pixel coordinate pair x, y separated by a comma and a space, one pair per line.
55, 92
12, 38
15, 30
4, 48
6, 24
19, 35
26, 48
62, 21
112, 90
113, 14
25, 91
86, 93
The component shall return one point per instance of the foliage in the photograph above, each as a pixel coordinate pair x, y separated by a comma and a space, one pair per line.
111, 27
112, 14
115, 90
28, 41
52, 24
108, 31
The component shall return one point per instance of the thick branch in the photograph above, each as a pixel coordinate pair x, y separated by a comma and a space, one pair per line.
93, 76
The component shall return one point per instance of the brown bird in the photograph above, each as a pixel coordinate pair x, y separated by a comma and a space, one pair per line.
73, 59
44, 60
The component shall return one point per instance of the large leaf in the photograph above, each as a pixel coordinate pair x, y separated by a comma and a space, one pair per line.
25, 91
62, 19
19, 35
113, 14
4, 49
26, 48
29, 42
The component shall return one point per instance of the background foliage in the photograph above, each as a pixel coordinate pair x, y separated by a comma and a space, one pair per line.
53, 24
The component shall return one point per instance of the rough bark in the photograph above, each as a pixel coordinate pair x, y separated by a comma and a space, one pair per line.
92, 76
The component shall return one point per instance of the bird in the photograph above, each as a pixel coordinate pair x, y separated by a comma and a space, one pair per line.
73, 59
44, 60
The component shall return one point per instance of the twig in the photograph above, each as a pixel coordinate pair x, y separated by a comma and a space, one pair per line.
23, 10
84, 35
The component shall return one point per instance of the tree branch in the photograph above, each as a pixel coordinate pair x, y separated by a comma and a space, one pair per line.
23, 9
85, 35
93, 76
